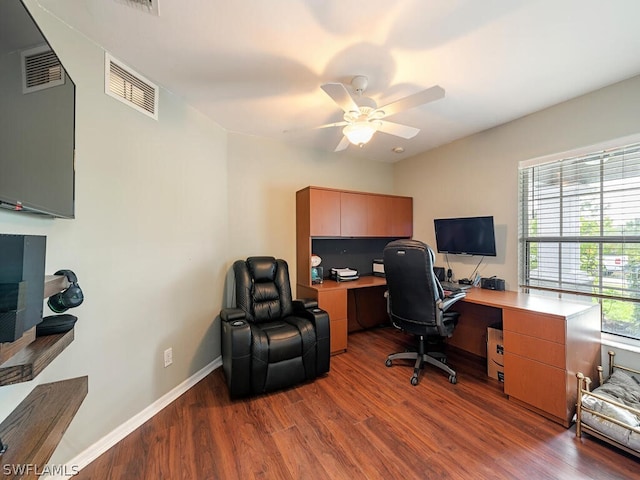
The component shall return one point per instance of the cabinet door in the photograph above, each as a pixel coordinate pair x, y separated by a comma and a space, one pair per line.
401, 216
353, 214
335, 303
537, 384
379, 209
324, 213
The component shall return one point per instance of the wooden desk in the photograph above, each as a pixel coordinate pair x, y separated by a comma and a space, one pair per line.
546, 340
334, 297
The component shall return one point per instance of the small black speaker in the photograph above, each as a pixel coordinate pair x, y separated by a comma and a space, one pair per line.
492, 283
22, 260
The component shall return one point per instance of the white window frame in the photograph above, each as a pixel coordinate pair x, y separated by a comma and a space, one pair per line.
525, 260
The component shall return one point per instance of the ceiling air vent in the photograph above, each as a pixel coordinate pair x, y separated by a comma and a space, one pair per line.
40, 69
130, 87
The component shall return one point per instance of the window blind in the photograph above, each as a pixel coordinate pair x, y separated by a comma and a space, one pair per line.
580, 227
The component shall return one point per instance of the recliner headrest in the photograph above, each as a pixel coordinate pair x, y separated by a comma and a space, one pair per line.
262, 269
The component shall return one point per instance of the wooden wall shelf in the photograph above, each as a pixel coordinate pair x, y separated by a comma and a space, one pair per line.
34, 429
32, 359
24, 359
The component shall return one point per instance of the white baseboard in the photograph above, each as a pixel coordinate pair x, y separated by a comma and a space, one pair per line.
109, 440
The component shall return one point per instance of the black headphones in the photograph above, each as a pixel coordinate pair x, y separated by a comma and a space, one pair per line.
70, 297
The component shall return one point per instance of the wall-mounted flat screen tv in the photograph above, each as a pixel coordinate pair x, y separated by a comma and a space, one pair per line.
466, 236
37, 119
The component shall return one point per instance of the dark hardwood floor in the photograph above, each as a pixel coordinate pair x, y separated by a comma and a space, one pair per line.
362, 421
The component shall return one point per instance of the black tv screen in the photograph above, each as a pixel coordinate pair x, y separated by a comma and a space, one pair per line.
37, 119
466, 236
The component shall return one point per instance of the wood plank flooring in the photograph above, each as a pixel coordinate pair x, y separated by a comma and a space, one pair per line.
361, 421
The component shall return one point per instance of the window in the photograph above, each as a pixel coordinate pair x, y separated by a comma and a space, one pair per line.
580, 231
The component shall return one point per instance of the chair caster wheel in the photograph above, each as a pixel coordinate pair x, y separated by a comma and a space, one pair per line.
453, 379
414, 381
387, 362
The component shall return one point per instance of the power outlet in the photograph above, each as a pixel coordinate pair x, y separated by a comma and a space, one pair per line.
168, 357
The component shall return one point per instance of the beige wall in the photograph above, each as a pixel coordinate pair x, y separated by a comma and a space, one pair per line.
149, 245
264, 176
478, 175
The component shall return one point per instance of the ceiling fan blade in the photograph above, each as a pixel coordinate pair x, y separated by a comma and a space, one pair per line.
326, 125
339, 93
335, 124
425, 96
397, 129
344, 143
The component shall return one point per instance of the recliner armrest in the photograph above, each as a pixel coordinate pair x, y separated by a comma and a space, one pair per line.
232, 313
305, 303
308, 308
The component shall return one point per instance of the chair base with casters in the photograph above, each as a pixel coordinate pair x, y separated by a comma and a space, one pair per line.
421, 357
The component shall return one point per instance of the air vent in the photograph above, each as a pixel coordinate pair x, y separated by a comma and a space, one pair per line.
130, 87
40, 69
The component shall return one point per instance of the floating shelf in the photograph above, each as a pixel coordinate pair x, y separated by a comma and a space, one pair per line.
24, 359
34, 429
32, 359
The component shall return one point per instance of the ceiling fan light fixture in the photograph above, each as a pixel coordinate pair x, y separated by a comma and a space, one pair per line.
359, 133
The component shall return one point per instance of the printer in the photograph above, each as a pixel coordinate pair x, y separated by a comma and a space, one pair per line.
378, 267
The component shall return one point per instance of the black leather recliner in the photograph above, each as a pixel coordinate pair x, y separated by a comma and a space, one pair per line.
417, 304
270, 341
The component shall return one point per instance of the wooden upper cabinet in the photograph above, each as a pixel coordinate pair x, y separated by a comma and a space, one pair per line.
379, 214
353, 214
324, 213
401, 216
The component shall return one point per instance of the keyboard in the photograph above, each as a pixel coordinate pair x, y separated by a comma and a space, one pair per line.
454, 287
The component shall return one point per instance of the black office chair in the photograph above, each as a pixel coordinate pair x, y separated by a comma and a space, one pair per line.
416, 302
270, 341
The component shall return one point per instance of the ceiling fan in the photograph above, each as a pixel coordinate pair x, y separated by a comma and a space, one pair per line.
363, 118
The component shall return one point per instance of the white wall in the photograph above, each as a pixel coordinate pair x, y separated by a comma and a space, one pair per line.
478, 175
149, 246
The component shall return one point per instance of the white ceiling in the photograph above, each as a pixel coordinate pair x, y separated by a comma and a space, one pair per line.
256, 66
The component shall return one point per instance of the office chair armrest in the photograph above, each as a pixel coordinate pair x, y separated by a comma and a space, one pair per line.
232, 313
447, 302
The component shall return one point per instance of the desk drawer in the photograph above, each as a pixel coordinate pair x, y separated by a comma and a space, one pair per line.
534, 325
536, 384
543, 351
335, 303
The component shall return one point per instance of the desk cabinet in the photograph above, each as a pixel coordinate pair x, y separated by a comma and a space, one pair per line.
333, 297
546, 341
335, 303
542, 354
